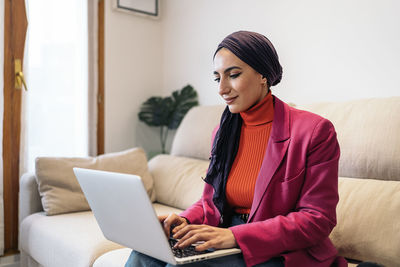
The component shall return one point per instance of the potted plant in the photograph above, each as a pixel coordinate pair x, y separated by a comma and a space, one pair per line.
168, 112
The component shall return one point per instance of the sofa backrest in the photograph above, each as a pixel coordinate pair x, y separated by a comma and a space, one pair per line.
193, 137
369, 136
178, 176
368, 133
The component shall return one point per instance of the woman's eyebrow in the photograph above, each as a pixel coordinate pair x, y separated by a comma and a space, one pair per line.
228, 69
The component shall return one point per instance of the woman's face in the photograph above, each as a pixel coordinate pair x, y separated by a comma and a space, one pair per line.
240, 85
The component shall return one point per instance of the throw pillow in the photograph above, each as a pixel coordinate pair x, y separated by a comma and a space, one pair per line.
59, 189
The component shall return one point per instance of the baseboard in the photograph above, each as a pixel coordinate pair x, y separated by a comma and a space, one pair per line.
9, 261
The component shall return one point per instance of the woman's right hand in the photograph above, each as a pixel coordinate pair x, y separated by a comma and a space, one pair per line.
172, 220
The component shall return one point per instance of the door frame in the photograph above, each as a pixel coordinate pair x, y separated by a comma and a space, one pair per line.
100, 69
15, 25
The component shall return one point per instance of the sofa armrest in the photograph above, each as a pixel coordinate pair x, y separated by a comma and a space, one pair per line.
29, 198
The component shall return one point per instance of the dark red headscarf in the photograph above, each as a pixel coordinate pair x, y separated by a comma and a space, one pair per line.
256, 51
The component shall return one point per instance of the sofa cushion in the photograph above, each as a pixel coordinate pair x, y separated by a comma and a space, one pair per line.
178, 180
368, 133
368, 220
193, 137
60, 191
162, 209
72, 239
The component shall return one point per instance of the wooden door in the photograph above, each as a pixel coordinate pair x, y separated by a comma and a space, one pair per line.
100, 70
15, 26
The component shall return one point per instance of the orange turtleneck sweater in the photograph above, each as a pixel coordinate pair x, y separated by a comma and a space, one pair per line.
254, 136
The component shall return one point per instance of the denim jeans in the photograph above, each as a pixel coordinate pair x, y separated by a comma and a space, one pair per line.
137, 259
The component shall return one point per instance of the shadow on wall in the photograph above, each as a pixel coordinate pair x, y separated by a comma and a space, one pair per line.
149, 139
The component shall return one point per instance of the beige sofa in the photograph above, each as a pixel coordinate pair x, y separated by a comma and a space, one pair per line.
368, 212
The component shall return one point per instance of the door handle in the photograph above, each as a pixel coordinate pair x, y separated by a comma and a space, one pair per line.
19, 76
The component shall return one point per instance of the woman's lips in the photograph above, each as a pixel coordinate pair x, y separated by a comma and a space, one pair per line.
230, 100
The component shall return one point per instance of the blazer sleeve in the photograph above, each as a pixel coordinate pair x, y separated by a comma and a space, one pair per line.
194, 214
314, 215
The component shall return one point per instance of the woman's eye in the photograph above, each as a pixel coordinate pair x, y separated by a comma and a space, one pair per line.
233, 76
217, 79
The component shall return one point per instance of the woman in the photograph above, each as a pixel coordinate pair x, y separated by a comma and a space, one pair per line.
271, 187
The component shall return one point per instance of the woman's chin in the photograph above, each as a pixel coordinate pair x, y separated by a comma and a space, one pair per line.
234, 109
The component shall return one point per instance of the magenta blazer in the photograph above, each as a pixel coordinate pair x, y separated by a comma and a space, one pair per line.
296, 193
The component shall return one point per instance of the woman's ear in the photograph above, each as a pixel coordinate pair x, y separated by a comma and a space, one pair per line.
264, 80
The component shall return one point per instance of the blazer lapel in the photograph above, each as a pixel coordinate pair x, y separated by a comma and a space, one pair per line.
276, 150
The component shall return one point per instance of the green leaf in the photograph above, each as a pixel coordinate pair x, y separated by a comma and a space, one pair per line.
184, 100
168, 111
155, 111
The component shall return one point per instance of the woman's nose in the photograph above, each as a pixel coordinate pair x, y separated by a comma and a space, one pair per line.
223, 87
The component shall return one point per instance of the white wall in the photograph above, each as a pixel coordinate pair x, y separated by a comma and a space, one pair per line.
330, 50
132, 74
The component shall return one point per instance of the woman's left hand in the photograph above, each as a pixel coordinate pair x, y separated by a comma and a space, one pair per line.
213, 237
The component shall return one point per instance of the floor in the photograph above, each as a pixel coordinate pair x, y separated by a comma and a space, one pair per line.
10, 261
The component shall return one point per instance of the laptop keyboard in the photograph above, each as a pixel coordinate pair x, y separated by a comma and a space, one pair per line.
185, 252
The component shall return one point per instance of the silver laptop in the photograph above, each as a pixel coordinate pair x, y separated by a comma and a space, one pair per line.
126, 216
